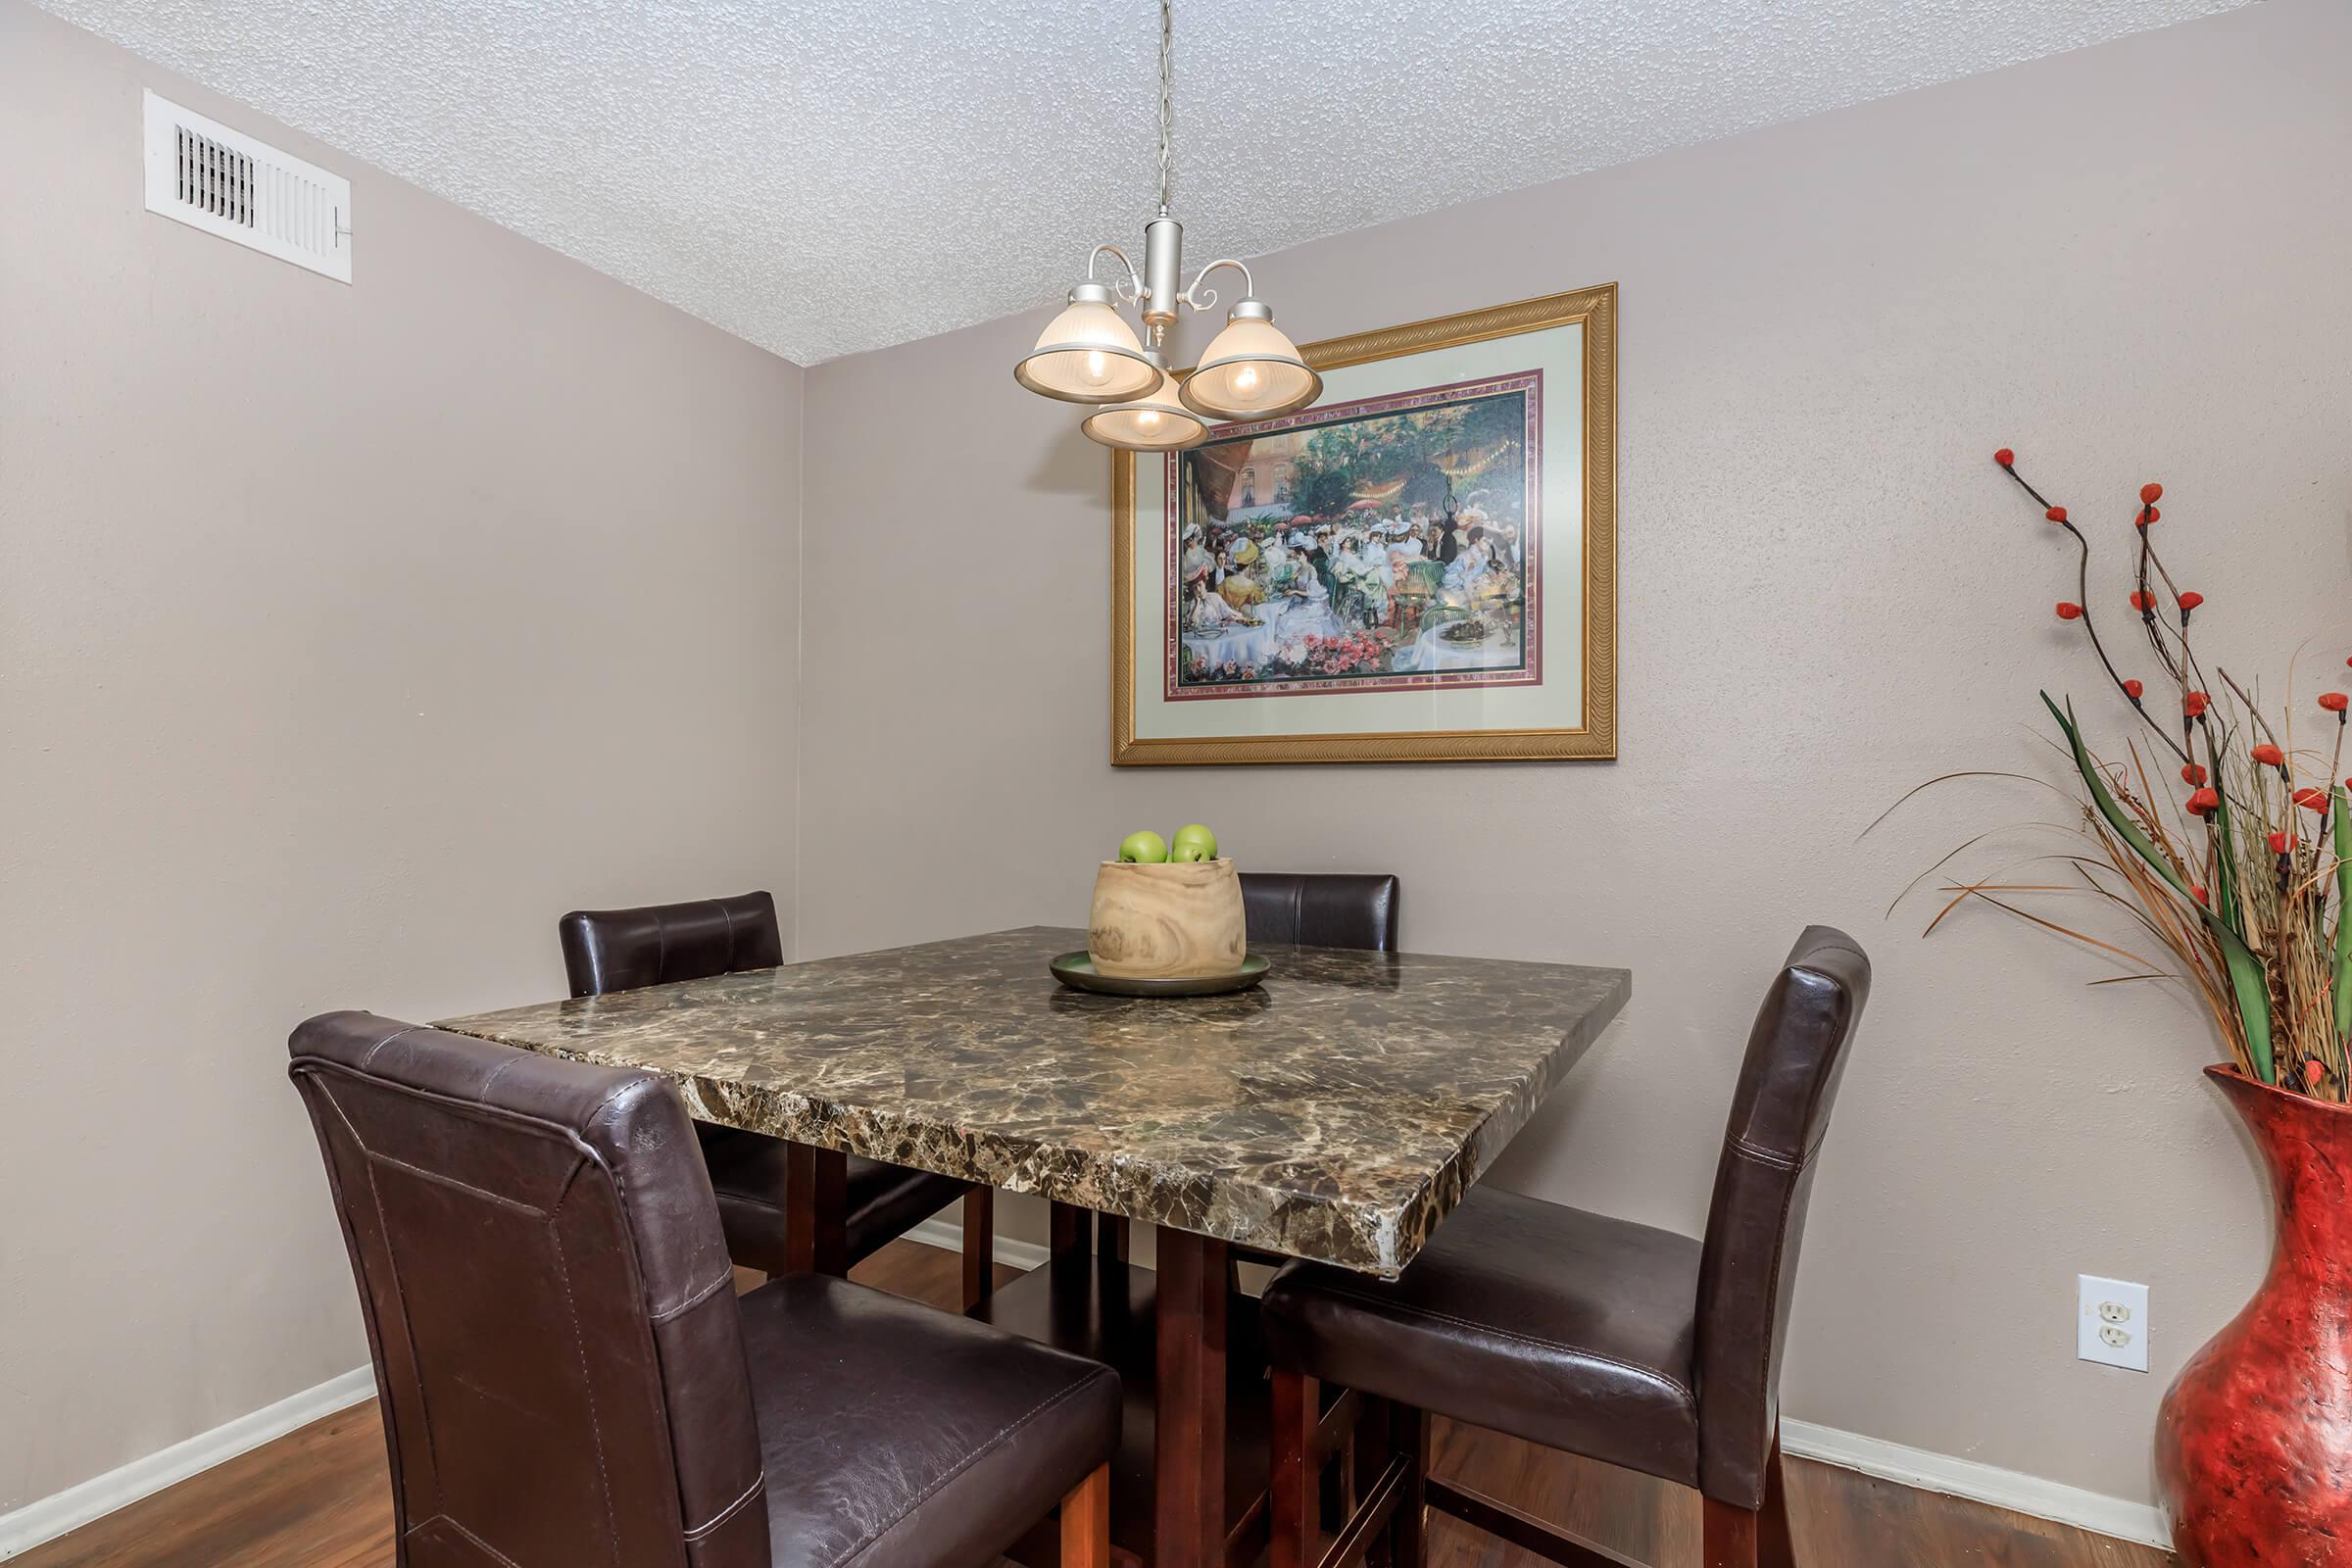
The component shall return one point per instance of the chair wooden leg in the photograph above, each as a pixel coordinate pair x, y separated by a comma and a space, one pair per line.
1408, 1542
1774, 1548
1335, 1486
1369, 1462
1729, 1535
1737, 1538
979, 1246
1291, 1484
1086, 1522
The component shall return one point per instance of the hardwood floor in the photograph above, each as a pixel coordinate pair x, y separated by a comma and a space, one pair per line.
1839, 1518
320, 1499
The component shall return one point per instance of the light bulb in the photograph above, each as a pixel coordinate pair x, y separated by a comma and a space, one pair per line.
1149, 419
1250, 369
1098, 368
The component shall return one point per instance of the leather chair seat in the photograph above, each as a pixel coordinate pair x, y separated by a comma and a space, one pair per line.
747, 1176
1568, 1329
894, 1435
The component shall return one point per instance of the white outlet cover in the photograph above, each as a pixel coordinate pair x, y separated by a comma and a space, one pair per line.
2106, 1311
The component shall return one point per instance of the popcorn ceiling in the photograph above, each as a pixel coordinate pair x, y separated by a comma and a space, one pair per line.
822, 177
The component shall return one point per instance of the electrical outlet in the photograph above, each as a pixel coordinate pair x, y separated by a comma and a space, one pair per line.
2110, 1322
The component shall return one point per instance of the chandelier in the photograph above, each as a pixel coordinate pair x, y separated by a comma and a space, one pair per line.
1089, 354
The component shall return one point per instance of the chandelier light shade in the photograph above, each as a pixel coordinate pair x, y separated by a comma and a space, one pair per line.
1157, 422
1089, 354
1252, 371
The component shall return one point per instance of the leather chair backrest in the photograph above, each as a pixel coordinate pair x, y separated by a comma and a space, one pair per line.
1321, 910
1795, 1055
548, 1302
620, 949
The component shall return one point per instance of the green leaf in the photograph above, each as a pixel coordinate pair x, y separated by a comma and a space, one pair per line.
2124, 828
2252, 983
2248, 979
2343, 911
2225, 865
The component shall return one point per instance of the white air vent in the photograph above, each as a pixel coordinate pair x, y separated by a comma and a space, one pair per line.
224, 182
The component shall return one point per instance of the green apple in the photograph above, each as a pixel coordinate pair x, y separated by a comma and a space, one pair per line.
1193, 842
1143, 849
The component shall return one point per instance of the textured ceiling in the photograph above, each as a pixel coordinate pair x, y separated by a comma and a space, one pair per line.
823, 177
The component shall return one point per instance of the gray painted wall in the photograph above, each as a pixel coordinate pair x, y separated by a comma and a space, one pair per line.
2127, 263
348, 636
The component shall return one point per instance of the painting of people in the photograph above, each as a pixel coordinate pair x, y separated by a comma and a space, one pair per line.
1387, 544
1418, 566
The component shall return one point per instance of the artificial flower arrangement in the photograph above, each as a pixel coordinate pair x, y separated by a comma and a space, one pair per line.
2243, 871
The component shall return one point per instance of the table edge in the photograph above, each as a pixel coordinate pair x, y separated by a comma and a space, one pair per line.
1395, 1232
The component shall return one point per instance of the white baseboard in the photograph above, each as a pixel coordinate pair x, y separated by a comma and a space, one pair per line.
50, 1517
940, 1231
1979, 1483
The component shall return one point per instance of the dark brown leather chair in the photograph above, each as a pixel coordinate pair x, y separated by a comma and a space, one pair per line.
566, 1377
1321, 910
620, 949
1595, 1335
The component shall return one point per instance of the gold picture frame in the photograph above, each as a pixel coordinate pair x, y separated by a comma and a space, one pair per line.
1594, 310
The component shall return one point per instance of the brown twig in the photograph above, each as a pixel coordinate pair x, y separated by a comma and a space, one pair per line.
2083, 589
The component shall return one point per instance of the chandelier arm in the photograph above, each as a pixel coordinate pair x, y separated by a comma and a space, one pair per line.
1128, 289
1201, 299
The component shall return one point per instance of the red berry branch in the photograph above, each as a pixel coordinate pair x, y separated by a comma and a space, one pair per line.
2254, 900
2079, 609
2248, 881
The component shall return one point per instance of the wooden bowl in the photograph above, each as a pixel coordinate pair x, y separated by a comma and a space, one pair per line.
1180, 918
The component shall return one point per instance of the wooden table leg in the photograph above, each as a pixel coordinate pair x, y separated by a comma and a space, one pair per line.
816, 1204
1070, 1230
1189, 1463
979, 1244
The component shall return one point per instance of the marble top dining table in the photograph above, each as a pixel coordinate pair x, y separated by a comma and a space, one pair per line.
1335, 1113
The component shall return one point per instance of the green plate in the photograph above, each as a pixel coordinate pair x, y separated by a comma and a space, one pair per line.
1077, 969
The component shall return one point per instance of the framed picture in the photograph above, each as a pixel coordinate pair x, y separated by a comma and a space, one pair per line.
1420, 567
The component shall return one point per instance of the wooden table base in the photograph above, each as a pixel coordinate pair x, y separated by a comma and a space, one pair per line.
1190, 1428
816, 1203
1188, 1486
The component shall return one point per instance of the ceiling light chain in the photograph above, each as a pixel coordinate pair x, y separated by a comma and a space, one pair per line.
1089, 354
1167, 115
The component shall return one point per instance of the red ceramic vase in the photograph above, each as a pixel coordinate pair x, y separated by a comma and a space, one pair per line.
2254, 1441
